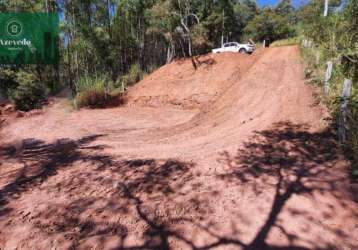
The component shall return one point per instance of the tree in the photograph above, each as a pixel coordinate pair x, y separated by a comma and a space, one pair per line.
268, 25
244, 12
284, 8
187, 19
317, 27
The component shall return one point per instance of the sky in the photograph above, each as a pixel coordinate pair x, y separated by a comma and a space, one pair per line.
296, 3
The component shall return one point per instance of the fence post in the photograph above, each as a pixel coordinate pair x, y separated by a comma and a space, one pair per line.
347, 86
317, 57
306, 43
327, 77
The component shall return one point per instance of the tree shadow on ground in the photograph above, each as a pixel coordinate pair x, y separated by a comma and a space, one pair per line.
39, 160
128, 191
91, 191
289, 158
159, 196
294, 162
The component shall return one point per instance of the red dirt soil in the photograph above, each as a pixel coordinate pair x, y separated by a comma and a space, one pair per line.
237, 155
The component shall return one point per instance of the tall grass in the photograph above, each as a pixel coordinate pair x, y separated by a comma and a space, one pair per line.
285, 42
91, 91
95, 91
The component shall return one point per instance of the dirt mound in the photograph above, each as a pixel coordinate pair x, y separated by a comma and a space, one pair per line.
178, 85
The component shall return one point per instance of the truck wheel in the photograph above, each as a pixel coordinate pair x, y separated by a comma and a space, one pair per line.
242, 51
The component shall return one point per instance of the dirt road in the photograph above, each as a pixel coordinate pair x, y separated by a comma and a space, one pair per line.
237, 155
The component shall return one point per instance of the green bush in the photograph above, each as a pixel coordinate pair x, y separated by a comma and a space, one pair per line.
91, 92
8, 82
29, 93
134, 75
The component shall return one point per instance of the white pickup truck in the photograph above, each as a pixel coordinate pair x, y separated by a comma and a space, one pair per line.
235, 47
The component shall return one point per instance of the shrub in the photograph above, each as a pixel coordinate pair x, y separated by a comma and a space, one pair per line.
29, 93
7, 82
91, 92
134, 75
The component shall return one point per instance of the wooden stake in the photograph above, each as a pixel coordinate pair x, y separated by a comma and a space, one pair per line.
327, 77
342, 126
317, 57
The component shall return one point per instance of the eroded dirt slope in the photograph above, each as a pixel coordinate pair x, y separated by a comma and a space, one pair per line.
178, 85
250, 164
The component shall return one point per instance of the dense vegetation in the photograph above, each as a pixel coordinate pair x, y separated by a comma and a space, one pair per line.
335, 38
